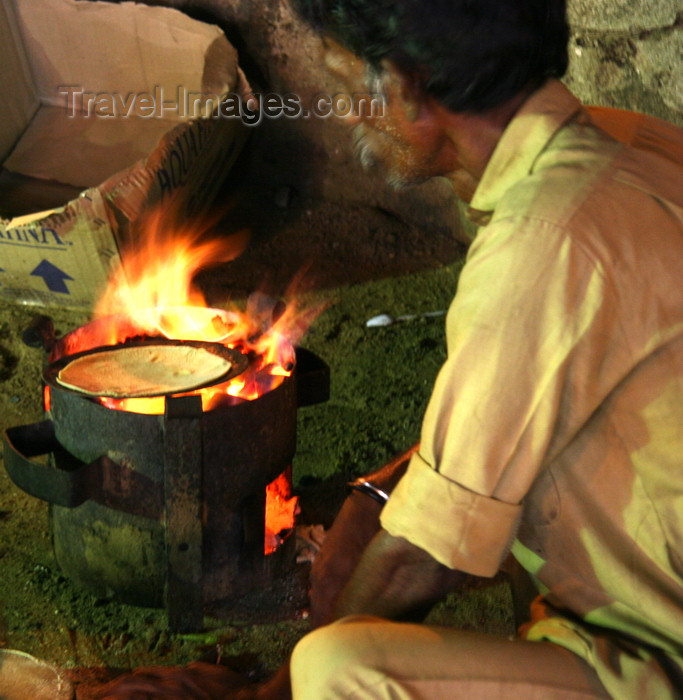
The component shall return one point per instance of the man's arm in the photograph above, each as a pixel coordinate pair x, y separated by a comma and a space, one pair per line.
395, 580
354, 527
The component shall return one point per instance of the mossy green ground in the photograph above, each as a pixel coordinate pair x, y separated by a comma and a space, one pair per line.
381, 377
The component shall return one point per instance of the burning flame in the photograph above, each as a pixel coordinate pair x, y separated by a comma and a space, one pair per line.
152, 294
159, 266
281, 508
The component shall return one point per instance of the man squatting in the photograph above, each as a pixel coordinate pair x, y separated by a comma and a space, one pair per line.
555, 428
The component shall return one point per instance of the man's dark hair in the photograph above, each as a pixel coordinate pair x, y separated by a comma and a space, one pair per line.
471, 55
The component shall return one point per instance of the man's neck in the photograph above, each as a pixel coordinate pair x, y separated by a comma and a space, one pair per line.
474, 138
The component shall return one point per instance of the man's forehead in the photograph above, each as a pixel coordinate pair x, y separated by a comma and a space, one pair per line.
338, 52
343, 63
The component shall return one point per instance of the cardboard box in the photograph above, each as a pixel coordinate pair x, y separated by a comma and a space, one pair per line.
105, 97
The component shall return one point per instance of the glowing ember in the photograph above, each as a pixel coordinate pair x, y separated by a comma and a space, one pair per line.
281, 507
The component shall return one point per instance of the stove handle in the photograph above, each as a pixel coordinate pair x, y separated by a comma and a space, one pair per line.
312, 378
66, 487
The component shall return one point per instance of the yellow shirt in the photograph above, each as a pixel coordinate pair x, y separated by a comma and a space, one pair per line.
556, 425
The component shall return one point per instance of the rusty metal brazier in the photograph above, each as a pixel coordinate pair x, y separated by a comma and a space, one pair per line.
164, 510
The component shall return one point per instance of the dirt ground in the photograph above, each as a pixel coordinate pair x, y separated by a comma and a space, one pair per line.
362, 261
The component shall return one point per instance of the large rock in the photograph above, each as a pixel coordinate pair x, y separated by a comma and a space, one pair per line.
659, 64
313, 157
624, 53
642, 71
613, 15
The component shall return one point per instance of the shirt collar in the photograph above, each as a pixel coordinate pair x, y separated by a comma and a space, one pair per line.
523, 140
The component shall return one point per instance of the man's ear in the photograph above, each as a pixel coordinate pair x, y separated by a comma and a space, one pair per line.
405, 87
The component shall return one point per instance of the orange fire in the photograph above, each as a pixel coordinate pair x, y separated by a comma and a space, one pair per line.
281, 509
152, 294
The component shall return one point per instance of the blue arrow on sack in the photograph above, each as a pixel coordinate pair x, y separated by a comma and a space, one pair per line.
53, 276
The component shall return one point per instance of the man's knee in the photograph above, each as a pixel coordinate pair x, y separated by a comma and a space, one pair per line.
329, 662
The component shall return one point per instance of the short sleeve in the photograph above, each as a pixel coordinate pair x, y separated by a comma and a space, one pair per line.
424, 496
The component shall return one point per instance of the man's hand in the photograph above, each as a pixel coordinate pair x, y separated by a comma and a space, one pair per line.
395, 580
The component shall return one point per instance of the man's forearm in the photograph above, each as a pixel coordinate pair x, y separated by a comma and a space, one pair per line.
396, 580
353, 529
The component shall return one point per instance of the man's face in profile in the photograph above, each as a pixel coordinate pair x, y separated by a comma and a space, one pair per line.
396, 140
